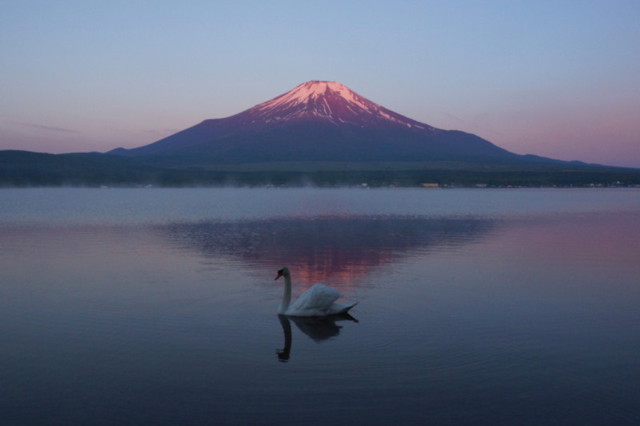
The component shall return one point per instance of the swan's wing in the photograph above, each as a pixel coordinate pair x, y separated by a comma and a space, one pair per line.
317, 301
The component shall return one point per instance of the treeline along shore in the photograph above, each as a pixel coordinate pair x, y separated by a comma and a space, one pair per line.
30, 169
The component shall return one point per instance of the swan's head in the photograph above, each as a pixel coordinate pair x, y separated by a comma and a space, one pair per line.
284, 272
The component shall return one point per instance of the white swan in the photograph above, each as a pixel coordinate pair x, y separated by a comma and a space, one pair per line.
318, 301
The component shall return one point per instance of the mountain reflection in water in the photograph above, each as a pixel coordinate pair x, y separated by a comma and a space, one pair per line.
342, 248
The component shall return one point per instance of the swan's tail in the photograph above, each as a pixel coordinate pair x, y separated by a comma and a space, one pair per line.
344, 308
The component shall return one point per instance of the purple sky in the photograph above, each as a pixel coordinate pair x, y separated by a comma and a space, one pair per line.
554, 78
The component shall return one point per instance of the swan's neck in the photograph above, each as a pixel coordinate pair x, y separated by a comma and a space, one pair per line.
286, 297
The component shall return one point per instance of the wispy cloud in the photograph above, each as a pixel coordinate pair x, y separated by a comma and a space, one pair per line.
41, 126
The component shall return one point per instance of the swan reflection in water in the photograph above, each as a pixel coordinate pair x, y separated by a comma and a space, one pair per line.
317, 328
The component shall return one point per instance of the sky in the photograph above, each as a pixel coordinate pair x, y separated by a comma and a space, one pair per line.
556, 78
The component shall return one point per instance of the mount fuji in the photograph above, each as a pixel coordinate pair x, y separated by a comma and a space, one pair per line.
319, 133
319, 121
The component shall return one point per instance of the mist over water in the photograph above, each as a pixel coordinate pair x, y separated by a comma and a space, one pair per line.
158, 306
109, 206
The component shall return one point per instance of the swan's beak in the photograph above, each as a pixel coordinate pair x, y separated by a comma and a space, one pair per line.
279, 275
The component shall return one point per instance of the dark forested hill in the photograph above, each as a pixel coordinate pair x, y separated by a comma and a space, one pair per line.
22, 168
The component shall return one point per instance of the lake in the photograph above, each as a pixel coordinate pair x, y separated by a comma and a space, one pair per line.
475, 306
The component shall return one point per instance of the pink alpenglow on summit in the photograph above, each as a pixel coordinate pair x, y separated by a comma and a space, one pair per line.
331, 101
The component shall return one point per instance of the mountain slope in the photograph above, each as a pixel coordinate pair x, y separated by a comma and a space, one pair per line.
318, 121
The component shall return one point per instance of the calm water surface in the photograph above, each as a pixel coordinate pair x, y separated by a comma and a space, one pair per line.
158, 306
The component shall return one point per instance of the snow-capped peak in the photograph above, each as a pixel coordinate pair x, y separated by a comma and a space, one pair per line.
329, 101
310, 92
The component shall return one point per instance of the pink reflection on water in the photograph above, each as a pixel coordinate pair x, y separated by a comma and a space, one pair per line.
339, 251
342, 270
